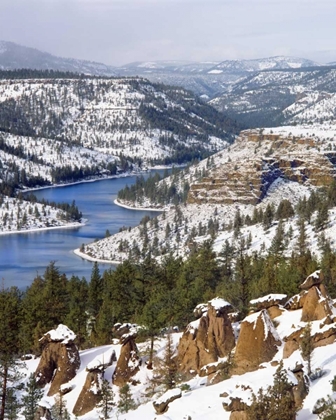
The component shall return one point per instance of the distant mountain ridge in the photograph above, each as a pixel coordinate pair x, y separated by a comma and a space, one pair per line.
14, 56
209, 78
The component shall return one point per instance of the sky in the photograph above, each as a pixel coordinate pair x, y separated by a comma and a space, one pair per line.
117, 32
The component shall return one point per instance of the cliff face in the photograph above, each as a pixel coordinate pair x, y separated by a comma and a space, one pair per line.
256, 161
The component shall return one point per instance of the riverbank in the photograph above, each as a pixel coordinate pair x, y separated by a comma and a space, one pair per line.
68, 226
125, 206
88, 258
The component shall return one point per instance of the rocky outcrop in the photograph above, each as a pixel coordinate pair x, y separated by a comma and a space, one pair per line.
42, 413
317, 303
247, 179
90, 394
161, 405
273, 303
129, 362
59, 360
301, 389
209, 338
296, 301
257, 342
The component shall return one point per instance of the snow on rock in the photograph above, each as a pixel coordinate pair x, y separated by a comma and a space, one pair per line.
61, 334
161, 404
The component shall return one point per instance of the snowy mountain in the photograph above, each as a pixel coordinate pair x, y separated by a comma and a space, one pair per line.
271, 98
14, 56
256, 65
86, 125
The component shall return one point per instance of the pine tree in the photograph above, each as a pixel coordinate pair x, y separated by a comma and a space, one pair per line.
126, 401
95, 290
306, 346
277, 403
13, 405
59, 410
9, 343
107, 403
32, 398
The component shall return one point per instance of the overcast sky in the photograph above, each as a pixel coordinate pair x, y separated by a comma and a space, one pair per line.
117, 32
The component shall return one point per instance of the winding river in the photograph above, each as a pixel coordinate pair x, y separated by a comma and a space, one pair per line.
24, 255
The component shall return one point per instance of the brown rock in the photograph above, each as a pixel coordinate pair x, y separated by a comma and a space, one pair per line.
315, 306
313, 279
274, 311
42, 413
296, 302
59, 360
292, 343
300, 391
128, 362
235, 404
90, 394
208, 339
238, 415
253, 346
161, 405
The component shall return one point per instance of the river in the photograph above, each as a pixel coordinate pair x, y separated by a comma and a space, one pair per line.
24, 255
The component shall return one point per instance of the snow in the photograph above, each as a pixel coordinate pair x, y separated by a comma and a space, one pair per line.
268, 298
266, 320
171, 393
219, 303
62, 334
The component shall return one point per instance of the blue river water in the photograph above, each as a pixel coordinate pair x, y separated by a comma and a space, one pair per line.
24, 255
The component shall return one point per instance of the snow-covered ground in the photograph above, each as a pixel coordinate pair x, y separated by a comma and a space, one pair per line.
202, 400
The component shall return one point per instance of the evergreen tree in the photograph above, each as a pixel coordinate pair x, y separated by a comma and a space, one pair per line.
31, 398
10, 300
275, 404
126, 401
13, 405
95, 291
59, 410
107, 403
306, 346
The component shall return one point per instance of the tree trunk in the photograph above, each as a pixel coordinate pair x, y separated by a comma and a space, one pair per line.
151, 351
4, 392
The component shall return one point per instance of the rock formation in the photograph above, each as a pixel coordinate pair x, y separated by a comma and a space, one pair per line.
316, 304
161, 405
273, 303
259, 330
206, 340
59, 360
90, 394
246, 180
128, 362
300, 391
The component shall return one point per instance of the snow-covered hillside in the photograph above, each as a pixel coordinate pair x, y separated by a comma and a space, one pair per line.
271, 98
227, 183
200, 399
120, 118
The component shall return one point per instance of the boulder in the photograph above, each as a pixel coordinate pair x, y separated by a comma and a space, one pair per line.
268, 301
209, 338
316, 306
120, 330
296, 302
161, 404
238, 415
128, 362
42, 413
90, 394
59, 360
300, 391
313, 279
257, 342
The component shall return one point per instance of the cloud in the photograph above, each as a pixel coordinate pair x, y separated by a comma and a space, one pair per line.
120, 31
